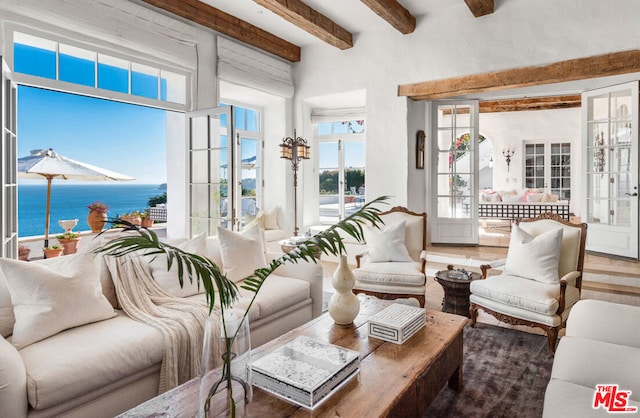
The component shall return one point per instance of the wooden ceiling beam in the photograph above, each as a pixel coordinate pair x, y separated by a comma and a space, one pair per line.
529, 103
480, 7
311, 21
605, 65
393, 12
229, 25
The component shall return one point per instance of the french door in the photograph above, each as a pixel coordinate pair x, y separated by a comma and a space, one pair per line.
610, 153
220, 162
8, 158
454, 167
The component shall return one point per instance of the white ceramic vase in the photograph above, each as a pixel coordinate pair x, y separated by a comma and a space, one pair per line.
343, 305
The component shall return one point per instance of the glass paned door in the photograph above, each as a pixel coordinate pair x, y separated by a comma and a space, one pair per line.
610, 119
454, 162
211, 171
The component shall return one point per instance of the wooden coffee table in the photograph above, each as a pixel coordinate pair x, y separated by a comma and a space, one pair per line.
394, 380
456, 291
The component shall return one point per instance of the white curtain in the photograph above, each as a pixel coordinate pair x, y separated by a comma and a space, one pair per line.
244, 66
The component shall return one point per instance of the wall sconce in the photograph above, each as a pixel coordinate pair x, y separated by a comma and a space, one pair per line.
295, 149
508, 153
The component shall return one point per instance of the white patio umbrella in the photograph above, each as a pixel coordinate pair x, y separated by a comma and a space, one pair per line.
49, 164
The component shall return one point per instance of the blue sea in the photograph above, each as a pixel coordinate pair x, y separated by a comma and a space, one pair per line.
69, 201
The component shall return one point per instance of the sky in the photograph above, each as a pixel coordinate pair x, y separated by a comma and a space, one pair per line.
117, 136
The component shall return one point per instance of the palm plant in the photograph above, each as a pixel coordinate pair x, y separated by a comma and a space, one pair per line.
207, 273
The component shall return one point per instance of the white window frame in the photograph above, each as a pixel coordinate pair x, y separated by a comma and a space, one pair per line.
341, 139
547, 164
67, 87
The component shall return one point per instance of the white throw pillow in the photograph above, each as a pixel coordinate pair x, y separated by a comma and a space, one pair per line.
168, 278
48, 299
271, 219
242, 252
387, 244
536, 257
7, 319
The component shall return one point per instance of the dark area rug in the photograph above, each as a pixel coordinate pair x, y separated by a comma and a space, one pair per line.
505, 375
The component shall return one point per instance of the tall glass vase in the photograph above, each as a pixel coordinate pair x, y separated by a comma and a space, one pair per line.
225, 366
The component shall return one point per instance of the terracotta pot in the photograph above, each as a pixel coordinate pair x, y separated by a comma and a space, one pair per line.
50, 253
69, 246
147, 223
136, 220
97, 220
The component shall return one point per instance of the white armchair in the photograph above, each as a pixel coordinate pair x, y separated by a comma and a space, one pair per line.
393, 265
541, 279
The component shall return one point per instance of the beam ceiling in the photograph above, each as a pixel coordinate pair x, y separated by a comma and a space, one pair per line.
605, 65
480, 7
393, 12
529, 103
224, 23
311, 21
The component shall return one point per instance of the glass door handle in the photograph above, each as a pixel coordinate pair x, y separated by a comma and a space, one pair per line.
632, 194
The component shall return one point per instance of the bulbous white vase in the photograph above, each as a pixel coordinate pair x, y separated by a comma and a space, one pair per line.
343, 305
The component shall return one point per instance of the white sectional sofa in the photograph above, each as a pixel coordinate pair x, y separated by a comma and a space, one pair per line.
103, 368
601, 347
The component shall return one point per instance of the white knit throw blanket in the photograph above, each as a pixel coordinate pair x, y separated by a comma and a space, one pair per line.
181, 321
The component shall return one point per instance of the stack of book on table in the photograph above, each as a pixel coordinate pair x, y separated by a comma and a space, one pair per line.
305, 371
397, 323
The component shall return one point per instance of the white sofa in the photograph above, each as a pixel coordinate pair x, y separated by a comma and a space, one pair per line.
104, 368
601, 347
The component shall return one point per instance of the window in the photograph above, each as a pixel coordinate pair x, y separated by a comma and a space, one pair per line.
548, 167
41, 57
216, 164
341, 168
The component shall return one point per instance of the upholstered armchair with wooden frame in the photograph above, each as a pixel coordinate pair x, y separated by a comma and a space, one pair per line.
393, 265
541, 279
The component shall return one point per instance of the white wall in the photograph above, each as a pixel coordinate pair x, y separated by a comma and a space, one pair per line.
451, 43
512, 128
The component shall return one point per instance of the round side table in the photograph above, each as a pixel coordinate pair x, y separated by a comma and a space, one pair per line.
456, 291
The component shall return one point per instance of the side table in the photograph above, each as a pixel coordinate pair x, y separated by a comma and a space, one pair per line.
456, 290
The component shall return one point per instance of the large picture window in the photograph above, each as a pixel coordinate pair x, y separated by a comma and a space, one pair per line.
341, 168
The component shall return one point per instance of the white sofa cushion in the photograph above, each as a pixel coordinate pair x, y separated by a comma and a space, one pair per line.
242, 252
13, 382
48, 300
168, 278
84, 359
534, 257
523, 293
598, 363
391, 273
278, 293
387, 243
605, 321
270, 220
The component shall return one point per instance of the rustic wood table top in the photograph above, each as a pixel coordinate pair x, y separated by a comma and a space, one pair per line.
391, 380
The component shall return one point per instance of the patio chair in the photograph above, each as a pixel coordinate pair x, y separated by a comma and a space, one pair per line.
541, 278
393, 265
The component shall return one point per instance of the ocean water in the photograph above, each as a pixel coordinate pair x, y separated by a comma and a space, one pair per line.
69, 201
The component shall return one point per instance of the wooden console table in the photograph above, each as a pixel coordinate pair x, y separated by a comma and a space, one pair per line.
394, 380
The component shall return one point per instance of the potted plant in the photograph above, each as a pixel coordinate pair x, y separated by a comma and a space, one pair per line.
69, 241
194, 267
132, 217
147, 222
52, 251
23, 252
97, 217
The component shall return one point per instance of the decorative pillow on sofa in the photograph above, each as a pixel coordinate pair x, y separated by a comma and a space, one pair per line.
534, 258
271, 219
547, 197
48, 300
387, 244
242, 252
168, 278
